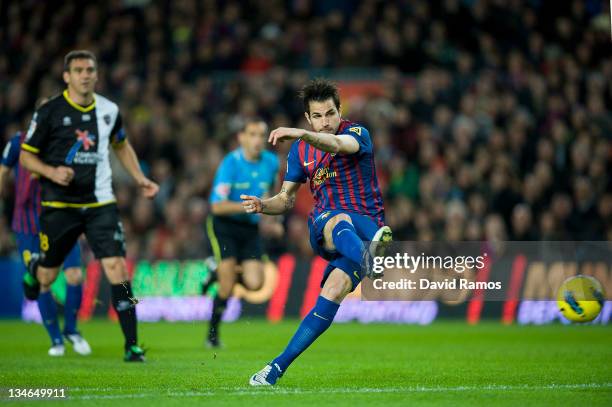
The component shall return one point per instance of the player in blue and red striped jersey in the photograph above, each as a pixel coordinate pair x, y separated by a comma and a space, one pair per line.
337, 159
26, 227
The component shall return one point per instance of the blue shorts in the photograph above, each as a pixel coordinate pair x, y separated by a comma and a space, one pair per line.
28, 244
365, 227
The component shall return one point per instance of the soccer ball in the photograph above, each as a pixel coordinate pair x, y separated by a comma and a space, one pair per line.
580, 298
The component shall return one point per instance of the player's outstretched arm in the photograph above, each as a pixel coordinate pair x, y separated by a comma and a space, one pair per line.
330, 143
277, 205
126, 154
60, 175
227, 207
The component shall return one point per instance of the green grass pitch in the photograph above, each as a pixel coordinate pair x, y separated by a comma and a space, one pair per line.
447, 363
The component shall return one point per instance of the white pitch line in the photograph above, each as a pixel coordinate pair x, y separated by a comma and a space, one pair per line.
267, 391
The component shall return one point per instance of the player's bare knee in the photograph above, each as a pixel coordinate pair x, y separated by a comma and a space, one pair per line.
46, 275
115, 269
335, 292
337, 286
329, 228
226, 274
74, 275
252, 282
225, 289
334, 220
252, 275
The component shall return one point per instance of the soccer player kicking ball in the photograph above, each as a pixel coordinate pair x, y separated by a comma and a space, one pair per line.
338, 160
25, 225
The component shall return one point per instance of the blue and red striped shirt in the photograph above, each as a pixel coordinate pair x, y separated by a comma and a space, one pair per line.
345, 182
27, 189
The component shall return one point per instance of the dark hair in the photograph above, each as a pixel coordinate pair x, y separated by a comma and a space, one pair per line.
319, 90
251, 120
78, 54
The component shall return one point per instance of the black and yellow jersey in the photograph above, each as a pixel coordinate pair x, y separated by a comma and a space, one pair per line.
65, 133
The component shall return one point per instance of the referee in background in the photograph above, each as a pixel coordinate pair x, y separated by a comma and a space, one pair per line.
234, 234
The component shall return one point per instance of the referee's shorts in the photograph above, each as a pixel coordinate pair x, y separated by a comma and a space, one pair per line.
231, 238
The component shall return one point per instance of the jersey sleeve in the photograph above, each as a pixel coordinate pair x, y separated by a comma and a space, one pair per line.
222, 185
362, 135
118, 136
38, 132
295, 169
10, 154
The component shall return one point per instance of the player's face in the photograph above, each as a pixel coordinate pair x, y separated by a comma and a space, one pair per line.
82, 76
324, 117
253, 139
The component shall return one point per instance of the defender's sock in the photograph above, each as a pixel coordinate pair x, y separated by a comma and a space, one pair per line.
48, 312
219, 305
125, 305
74, 295
312, 326
347, 241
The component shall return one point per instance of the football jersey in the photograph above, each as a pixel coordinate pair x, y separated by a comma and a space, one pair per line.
339, 181
27, 189
65, 133
236, 176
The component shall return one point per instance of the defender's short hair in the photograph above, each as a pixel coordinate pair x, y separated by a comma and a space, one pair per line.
319, 90
251, 120
78, 54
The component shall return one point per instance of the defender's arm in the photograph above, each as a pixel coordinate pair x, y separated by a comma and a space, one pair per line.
127, 156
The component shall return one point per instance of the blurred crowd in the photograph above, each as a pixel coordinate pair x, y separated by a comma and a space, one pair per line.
490, 118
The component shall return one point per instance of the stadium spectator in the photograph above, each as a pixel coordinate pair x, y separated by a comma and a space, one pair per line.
502, 106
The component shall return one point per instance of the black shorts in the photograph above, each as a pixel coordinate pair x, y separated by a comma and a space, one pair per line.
60, 228
230, 238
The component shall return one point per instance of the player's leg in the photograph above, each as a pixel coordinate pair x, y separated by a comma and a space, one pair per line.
74, 296
48, 309
59, 230
124, 304
211, 264
29, 246
252, 274
320, 317
250, 255
104, 233
380, 237
223, 235
74, 289
345, 233
226, 275
340, 235
337, 285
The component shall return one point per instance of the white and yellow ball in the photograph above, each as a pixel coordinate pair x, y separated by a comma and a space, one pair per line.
580, 298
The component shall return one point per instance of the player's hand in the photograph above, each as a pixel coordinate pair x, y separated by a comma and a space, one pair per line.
148, 188
62, 175
284, 133
251, 204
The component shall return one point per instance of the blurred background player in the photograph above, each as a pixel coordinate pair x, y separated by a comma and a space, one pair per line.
68, 144
234, 235
338, 160
26, 226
